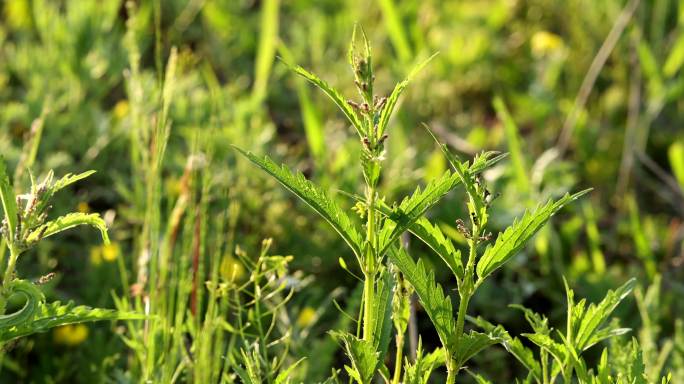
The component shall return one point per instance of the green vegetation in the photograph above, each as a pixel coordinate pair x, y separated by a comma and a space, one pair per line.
508, 211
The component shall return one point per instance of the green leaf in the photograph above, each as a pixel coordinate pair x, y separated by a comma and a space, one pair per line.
312, 195
284, 376
464, 170
412, 208
9, 200
472, 343
364, 358
382, 314
34, 299
391, 102
479, 379
437, 305
513, 345
539, 323
336, 97
68, 221
419, 372
69, 179
557, 350
637, 369
513, 239
587, 325
57, 314
434, 238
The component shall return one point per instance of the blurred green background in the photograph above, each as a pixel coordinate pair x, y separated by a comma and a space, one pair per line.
588, 94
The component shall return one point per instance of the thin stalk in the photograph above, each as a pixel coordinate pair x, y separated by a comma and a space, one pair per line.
466, 290
9, 272
368, 297
11, 264
545, 368
399, 357
369, 273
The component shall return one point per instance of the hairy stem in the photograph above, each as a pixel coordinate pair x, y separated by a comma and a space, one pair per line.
452, 371
369, 273
368, 298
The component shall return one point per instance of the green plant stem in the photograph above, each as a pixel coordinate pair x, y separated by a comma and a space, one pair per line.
369, 273
368, 297
466, 291
452, 371
9, 272
398, 358
545, 368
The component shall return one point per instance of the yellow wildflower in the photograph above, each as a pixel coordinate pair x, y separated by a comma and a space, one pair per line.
306, 317
83, 207
231, 269
18, 14
70, 335
110, 251
121, 109
96, 255
544, 43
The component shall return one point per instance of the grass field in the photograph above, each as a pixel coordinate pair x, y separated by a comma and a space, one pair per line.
267, 191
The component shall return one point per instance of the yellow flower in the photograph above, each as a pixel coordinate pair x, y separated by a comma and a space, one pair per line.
70, 335
544, 43
306, 317
231, 269
18, 14
110, 251
83, 207
121, 109
96, 255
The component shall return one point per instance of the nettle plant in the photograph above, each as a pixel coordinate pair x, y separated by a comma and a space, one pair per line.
25, 223
377, 249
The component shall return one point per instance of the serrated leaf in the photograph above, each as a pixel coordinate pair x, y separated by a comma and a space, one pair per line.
382, 314
391, 102
284, 376
68, 221
587, 329
467, 172
413, 207
513, 345
363, 357
539, 323
434, 238
9, 201
437, 305
472, 343
312, 195
57, 314
513, 239
69, 179
420, 370
637, 368
557, 350
336, 97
